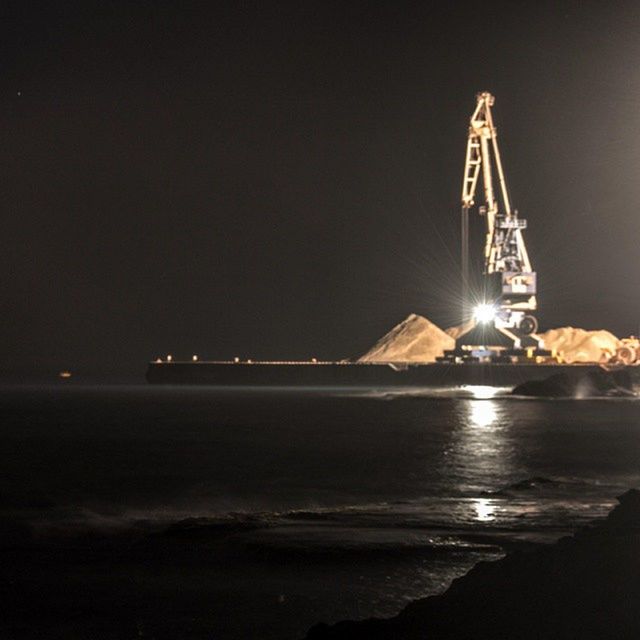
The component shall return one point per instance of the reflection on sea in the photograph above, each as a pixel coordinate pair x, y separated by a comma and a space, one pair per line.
482, 414
480, 454
485, 509
481, 392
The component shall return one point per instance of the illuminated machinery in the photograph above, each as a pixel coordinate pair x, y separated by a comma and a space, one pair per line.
508, 295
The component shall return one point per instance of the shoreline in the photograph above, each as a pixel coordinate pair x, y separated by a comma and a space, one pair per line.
583, 586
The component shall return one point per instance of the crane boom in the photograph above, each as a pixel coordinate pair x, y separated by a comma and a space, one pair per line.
505, 252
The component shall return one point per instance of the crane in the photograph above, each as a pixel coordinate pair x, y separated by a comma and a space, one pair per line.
510, 282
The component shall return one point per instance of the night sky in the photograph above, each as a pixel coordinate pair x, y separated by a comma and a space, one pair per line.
277, 180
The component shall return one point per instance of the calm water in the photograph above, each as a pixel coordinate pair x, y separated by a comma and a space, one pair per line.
240, 514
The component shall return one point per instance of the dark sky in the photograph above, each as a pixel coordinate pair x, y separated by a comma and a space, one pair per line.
282, 180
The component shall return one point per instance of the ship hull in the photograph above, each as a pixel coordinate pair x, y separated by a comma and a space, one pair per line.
346, 374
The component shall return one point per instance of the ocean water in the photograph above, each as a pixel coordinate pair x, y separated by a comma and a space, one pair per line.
168, 512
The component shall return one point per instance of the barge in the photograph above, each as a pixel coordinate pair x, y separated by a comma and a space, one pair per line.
355, 374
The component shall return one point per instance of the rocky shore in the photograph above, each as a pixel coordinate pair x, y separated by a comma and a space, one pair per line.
584, 586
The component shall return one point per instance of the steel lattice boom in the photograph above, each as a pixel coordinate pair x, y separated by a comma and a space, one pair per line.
507, 268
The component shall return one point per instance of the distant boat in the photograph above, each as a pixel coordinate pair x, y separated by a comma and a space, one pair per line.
64, 374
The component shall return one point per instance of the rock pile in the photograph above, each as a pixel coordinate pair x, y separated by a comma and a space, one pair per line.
415, 339
588, 384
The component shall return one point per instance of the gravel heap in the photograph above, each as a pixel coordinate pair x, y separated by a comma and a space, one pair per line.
415, 339
579, 345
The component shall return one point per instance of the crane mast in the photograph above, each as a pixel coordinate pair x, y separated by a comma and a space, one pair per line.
509, 279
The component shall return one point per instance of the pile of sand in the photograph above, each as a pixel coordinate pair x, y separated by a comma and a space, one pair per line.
415, 339
461, 329
579, 345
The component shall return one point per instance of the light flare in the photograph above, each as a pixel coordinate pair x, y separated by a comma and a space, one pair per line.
484, 313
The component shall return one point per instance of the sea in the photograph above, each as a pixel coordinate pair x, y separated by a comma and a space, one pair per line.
133, 511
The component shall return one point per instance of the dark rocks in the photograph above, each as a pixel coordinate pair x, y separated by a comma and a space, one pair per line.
585, 586
594, 383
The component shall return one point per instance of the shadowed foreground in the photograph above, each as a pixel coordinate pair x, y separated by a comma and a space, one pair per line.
584, 586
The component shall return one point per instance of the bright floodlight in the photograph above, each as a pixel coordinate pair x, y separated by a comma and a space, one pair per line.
484, 313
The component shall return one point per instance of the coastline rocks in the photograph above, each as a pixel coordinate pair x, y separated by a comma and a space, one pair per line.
585, 586
596, 383
415, 339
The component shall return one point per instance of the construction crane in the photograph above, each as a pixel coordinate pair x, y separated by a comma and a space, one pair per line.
509, 294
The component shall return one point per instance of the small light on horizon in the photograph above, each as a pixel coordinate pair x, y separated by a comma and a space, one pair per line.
194, 358
169, 358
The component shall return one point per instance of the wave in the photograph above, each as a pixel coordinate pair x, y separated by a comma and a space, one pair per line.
461, 391
346, 541
541, 485
534, 510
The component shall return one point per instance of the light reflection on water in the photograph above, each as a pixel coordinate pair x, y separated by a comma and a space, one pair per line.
481, 453
482, 392
485, 509
482, 414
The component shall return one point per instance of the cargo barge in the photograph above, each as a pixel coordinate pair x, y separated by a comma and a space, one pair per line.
354, 374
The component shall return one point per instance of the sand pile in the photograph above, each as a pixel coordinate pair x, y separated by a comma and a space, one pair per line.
461, 329
415, 339
579, 345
